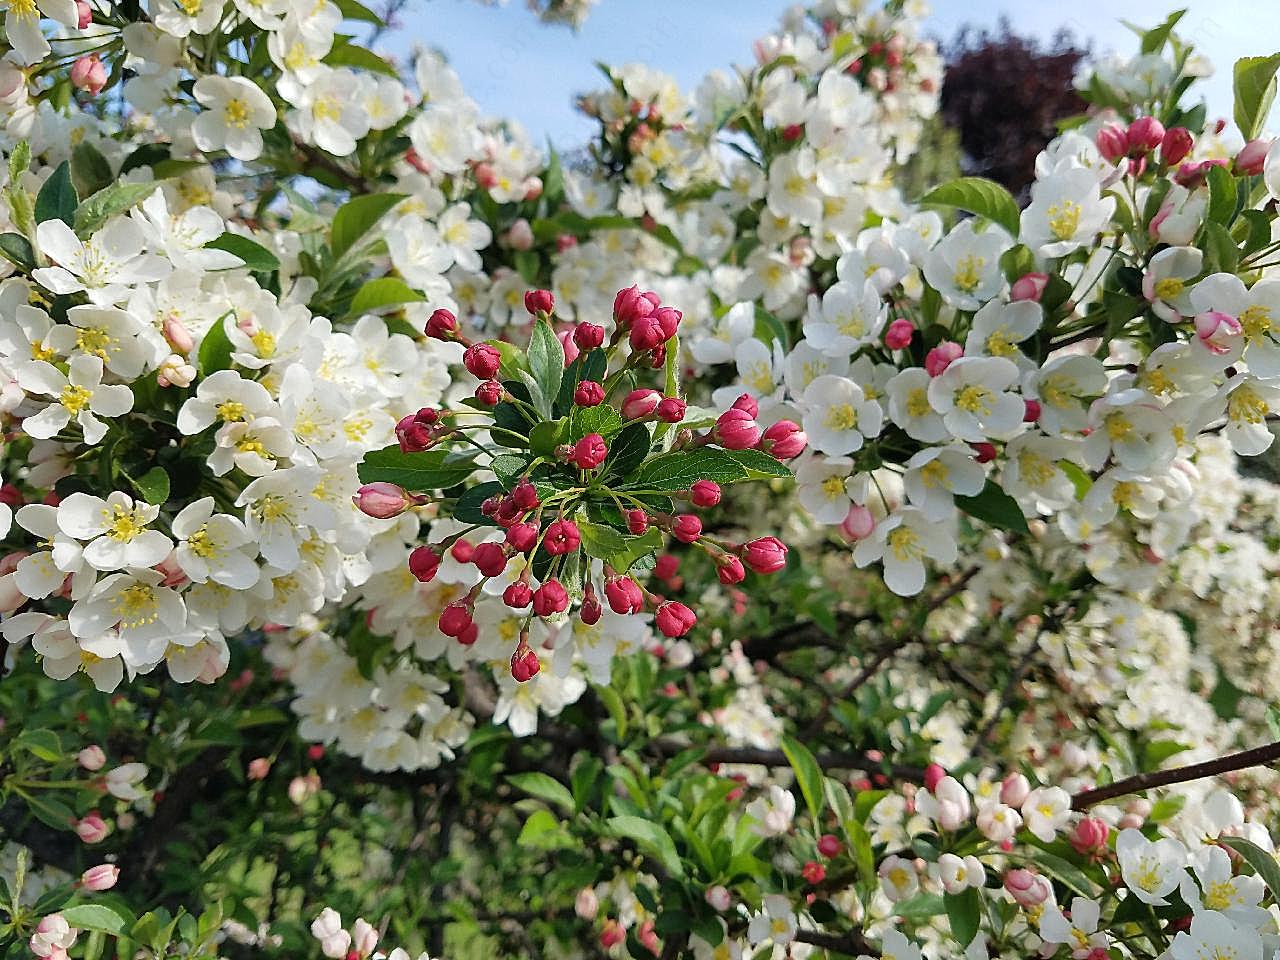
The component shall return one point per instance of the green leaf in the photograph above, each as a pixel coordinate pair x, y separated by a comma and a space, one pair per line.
57, 197
416, 472
508, 468
1264, 864
1254, 81
351, 55
51, 811
147, 155
680, 469
543, 787
1079, 479
628, 450
16, 248
601, 419
95, 916
964, 912
356, 217
1065, 872
546, 363
546, 435
619, 550
383, 292
651, 838
995, 507
977, 195
467, 509
617, 709
90, 171
153, 485
215, 349
1222, 195
108, 202
352, 10
1220, 250
920, 907
1153, 41
542, 831
40, 743
256, 257
808, 776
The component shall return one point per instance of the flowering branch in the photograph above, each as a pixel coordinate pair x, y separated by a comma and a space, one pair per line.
1258, 756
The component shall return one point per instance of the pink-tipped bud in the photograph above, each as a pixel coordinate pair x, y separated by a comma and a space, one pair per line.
612, 934
588, 336
1175, 145
591, 611
550, 598
1144, 135
91, 828
736, 430
482, 360
933, 775
1217, 331
382, 500
563, 536
857, 523
941, 357
898, 335
589, 452
490, 393
586, 904
588, 393
784, 440
520, 236
1252, 157
630, 304
674, 619
177, 335
518, 595
624, 595
571, 351
258, 768
646, 333
99, 878
89, 74
1014, 790
729, 570
423, 564
1112, 142
1029, 286
983, 451
442, 325
747, 404
764, 554
637, 521
1031, 411
640, 404
84, 14
1027, 888
704, 493
1089, 836
91, 757
718, 898
829, 845
490, 559
670, 409
686, 528
539, 302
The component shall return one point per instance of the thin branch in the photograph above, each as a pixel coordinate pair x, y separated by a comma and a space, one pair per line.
849, 944
1258, 756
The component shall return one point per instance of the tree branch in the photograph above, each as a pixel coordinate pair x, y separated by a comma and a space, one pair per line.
849, 944
836, 759
1258, 756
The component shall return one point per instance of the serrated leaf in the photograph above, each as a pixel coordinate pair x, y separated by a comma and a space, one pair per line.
1254, 82
808, 776
16, 248
543, 787
650, 837
995, 507
57, 197
40, 743
416, 472
1222, 195
680, 469
383, 292
352, 55
90, 171
357, 217
256, 257
1264, 864
978, 195
95, 916
467, 509
628, 450
108, 202
546, 363
964, 912
215, 349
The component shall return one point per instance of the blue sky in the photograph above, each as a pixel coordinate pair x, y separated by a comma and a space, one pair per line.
517, 68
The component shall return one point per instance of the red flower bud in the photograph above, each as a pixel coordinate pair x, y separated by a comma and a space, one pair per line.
588, 394
589, 452
666, 566
490, 558
941, 356
550, 598
562, 536
829, 845
736, 430
646, 333
671, 409
730, 570
624, 595
1029, 286
784, 440
539, 301
522, 536
1144, 135
1032, 412
414, 435
686, 528
933, 775
983, 452
524, 664
637, 521
1175, 146
630, 305
455, 618
590, 612
640, 404
482, 360
747, 404
423, 564
813, 872
571, 351
1112, 141
668, 320
705, 493
588, 336
518, 595
674, 619
442, 325
765, 554
898, 334
1251, 159
490, 393
525, 495
462, 550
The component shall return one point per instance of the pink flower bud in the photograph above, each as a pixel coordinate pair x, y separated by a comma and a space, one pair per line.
671, 409
1251, 158
640, 404
764, 554
637, 521
898, 335
259, 767
1029, 286
631, 304
490, 558
522, 536
88, 74
539, 302
1111, 141
646, 333
983, 452
91, 757
1014, 790
490, 393
1027, 888
686, 528
612, 934
423, 564
590, 612
858, 523
624, 595
705, 493
482, 360
525, 495
178, 336
747, 404
674, 619
1089, 836
442, 325
588, 393
829, 845
382, 500
91, 828
571, 351
1175, 146
455, 618
813, 872
784, 440
586, 904
99, 878
1031, 411
589, 452
729, 570
718, 898
175, 371
550, 598
1144, 135
736, 430
933, 775
84, 14
1216, 330
520, 236
518, 595
940, 357
588, 336
562, 537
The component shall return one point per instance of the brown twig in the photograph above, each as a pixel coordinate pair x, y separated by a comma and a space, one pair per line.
849, 944
1258, 756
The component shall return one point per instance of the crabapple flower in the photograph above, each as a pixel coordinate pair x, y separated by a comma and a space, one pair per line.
1165, 282
901, 542
1080, 932
1045, 811
116, 529
1066, 211
105, 267
898, 878
965, 266
972, 397
838, 416
1214, 888
1151, 869
1213, 935
79, 395
772, 812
